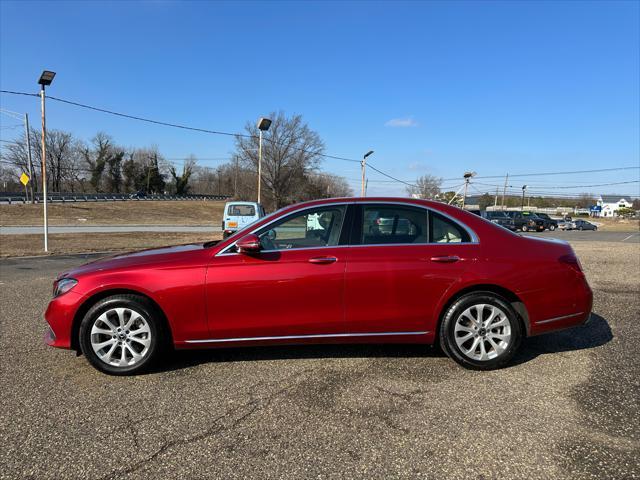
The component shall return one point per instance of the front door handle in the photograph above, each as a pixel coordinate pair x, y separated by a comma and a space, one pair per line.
323, 260
446, 259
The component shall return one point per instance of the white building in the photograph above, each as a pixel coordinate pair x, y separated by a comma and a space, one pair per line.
610, 203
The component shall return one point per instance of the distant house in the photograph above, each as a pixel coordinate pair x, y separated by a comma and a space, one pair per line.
609, 204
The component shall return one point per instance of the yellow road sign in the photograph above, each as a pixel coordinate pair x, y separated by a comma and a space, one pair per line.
24, 178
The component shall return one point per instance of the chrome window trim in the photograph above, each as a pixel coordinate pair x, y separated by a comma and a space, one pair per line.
301, 337
472, 234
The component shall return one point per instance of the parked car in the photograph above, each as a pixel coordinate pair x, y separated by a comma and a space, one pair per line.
584, 225
139, 194
565, 225
238, 215
499, 217
549, 223
526, 221
451, 277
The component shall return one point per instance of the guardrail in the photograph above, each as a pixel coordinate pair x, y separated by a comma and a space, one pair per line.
103, 197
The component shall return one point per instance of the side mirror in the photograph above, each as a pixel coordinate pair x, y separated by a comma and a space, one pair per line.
248, 244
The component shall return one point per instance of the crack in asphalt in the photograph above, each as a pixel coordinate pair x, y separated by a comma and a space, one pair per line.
253, 405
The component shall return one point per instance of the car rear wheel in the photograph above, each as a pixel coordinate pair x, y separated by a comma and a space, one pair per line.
552, 227
121, 335
481, 331
524, 228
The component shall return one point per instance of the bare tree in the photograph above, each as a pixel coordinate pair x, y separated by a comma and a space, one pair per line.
290, 150
182, 181
322, 185
427, 186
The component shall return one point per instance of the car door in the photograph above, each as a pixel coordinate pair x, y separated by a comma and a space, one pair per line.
397, 275
293, 287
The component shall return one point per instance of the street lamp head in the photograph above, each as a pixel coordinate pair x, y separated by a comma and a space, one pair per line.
46, 78
468, 175
368, 153
264, 124
524, 187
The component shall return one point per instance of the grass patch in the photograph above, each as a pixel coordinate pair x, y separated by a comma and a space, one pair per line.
65, 243
132, 212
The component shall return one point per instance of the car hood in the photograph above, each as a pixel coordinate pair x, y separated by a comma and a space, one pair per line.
139, 258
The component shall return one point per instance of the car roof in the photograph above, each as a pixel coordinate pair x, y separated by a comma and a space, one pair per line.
242, 203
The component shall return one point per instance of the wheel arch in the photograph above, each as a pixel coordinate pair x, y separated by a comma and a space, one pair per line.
515, 301
95, 298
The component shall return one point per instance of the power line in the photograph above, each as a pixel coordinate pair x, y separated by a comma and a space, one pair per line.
563, 173
176, 125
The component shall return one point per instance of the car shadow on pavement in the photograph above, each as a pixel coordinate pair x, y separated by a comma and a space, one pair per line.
180, 359
595, 333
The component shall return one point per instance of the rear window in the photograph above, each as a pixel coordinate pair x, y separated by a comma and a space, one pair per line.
241, 211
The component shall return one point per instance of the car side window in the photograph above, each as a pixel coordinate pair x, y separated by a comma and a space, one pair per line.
386, 224
313, 228
444, 230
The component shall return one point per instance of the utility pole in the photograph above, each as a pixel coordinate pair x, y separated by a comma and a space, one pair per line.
524, 189
504, 192
363, 166
30, 165
495, 201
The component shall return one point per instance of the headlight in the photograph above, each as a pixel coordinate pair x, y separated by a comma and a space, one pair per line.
63, 286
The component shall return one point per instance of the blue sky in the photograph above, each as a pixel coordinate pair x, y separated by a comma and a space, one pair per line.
432, 87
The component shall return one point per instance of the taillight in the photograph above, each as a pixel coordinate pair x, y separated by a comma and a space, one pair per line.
572, 261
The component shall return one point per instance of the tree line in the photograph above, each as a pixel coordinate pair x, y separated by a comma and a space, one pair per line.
291, 161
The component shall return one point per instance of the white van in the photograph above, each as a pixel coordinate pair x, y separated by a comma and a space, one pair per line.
238, 215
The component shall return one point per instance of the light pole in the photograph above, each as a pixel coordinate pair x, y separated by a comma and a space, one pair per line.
363, 165
467, 178
26, 127
45, 79
524, 189
263, 126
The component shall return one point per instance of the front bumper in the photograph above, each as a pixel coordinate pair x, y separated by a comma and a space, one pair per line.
59, 315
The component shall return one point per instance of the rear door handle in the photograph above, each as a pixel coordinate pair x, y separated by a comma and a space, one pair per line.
446, 259
323, 260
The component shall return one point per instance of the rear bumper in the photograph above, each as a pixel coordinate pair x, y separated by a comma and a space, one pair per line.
573, 315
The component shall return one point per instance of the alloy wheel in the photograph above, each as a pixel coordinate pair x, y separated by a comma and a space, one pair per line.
482, 332
120, 337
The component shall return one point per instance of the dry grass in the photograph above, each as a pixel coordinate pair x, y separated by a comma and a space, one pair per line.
63, 243
615, 225
190, 212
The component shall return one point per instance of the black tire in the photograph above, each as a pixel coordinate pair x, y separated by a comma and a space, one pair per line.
580, 228
447, 331
552, 228
153, 319
225, 235
524, 228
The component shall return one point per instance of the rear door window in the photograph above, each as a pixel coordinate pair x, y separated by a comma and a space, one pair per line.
389, 224
444, 230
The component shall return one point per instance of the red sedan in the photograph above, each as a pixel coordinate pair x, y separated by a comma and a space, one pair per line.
330, 271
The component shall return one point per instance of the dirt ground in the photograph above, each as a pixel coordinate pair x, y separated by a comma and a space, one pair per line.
62, 243
615, 225
185, 212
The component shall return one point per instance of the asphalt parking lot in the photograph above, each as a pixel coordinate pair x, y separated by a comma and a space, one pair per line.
567, 407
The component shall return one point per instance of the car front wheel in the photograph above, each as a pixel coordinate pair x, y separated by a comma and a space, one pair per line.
524, 228
481, 331
552, 227
121, 335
